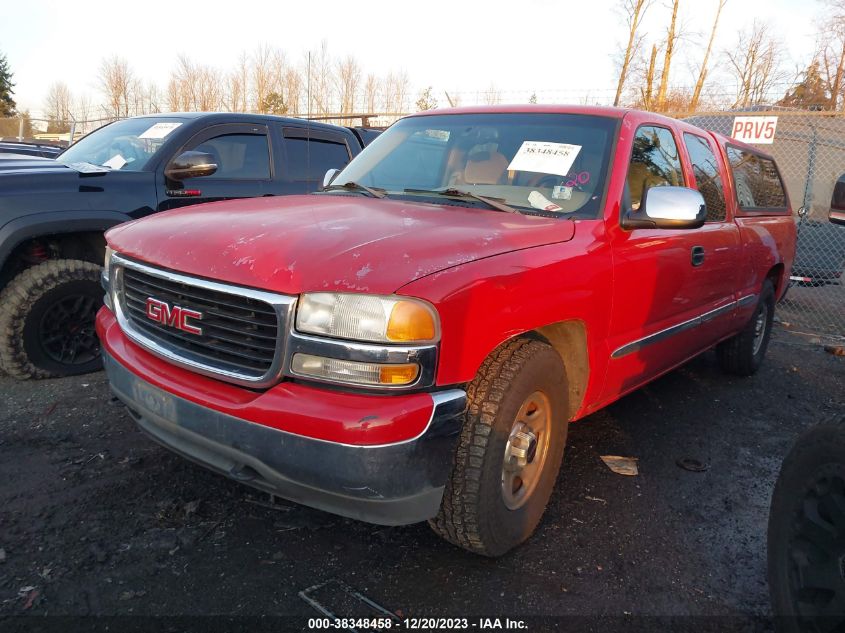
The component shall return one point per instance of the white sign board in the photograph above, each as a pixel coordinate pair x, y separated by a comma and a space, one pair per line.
545, 158
755, 129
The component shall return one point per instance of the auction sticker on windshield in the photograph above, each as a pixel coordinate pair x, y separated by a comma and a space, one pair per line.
159, 130
544, 157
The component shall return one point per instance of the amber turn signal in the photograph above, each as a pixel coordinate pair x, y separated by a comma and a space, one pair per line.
398, 374
410, 321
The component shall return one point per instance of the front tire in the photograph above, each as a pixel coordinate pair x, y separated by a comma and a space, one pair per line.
743, 354
47, 320
510, 450
806, 539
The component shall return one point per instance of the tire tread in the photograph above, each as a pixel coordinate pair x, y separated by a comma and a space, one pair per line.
17, 299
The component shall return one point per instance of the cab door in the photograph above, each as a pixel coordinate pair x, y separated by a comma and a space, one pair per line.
662, 283
244, 166
718, 272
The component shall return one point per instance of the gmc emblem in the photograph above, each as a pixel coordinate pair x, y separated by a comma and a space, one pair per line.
175, 317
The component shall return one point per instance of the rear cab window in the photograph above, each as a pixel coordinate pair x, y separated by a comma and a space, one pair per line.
759, 187
311, 153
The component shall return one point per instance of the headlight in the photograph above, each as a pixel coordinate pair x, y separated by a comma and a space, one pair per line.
369, 318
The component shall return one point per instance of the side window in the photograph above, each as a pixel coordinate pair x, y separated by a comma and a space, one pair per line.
705, 167
309, 160
239, 156
654, 163
758, 185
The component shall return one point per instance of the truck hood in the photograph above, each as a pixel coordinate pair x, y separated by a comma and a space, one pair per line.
328, 242
30, 186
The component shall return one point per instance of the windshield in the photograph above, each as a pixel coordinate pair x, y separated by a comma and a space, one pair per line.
126, 145
552, 164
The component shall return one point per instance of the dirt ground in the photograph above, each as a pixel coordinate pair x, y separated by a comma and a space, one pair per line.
96, 519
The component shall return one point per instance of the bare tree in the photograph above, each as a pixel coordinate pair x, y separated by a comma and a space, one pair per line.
321, 80
82, 108
116, 83
395, 94
293, 89
647, 89
348, 79
492, 96
671, 38
371, 93
235, 92
194, 87
634, 11
756, 62
57, 107
702, 74
832, 49
262, 76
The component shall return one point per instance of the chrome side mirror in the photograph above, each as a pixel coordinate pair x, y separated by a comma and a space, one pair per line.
668, 208
330, 175
190, 164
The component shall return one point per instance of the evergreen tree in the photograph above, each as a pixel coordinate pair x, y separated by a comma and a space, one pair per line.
7, 103
426, 100
810, 93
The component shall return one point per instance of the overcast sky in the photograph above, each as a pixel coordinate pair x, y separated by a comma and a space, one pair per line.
560, 49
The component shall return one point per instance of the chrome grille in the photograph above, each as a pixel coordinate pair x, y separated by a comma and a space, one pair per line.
242, 329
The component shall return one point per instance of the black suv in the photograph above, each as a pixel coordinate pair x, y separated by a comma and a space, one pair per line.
53, 212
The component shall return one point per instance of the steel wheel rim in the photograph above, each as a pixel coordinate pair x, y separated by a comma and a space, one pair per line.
526, 450
760, 327
66, 332
817, 550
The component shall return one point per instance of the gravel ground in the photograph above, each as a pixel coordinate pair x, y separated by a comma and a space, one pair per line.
95, 519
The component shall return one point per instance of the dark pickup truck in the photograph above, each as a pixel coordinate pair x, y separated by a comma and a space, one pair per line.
14, 149
53, 212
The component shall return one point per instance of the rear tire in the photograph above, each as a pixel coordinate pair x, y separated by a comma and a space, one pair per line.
47, 320
806, 539
510, 450
743, 354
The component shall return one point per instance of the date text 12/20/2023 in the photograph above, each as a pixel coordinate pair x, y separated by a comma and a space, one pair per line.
416, 624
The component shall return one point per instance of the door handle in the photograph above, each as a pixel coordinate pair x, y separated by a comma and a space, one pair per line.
697, 257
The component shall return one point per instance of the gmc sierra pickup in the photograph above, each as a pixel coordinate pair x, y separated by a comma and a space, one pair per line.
53, 213
411, 343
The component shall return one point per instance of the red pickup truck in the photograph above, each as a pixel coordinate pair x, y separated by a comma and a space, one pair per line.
411, 343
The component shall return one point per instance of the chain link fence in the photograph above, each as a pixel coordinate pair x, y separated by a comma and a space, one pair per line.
809, 148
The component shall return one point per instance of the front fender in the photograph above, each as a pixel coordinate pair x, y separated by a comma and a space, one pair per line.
486, 302
27, 227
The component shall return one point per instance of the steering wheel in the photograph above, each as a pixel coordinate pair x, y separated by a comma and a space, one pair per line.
547, 181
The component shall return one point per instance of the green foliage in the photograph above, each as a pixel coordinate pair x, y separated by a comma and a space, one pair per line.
532, 98
426, 100
7, 103
274, 103
810, 93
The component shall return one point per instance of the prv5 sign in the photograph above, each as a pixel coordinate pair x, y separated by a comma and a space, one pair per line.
755, 129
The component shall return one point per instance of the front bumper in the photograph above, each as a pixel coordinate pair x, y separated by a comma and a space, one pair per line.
388, 484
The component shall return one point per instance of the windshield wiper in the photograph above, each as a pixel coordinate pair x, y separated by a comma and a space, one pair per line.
354, 186
494, 203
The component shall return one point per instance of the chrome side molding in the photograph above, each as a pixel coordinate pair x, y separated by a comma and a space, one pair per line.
670, 331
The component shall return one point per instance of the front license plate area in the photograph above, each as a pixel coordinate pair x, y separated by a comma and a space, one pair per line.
154, 400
